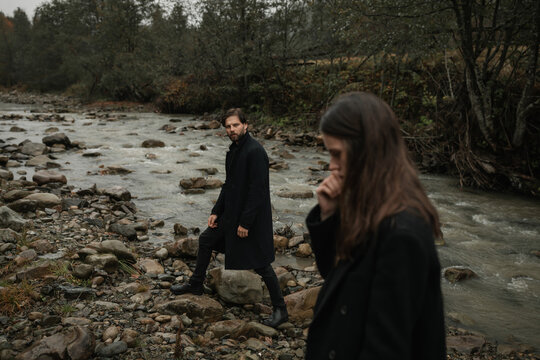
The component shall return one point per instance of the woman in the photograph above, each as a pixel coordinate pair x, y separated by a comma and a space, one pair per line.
373, 236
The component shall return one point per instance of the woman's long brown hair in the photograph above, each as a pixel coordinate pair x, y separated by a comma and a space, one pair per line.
380, 178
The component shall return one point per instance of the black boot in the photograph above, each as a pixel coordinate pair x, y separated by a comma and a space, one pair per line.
278, 317
186, 288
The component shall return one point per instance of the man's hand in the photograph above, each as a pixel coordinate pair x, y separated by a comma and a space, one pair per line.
212, 221
242, 232
328, 195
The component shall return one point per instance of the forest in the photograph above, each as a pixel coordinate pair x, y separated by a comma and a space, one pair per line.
462, 75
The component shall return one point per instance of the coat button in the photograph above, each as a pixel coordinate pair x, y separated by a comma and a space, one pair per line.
343, 310
332, 354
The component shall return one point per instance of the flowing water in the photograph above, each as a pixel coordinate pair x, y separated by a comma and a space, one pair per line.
492, 234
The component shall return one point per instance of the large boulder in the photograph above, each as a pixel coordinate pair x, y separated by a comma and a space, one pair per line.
237, 286
10, 219
77, 343
43, 177
44, 200
14, 195
107, 262
200, 309
33, 149
23, 205
58, 138
300, 304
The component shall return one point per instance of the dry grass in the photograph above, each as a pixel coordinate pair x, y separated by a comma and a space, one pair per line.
15, 297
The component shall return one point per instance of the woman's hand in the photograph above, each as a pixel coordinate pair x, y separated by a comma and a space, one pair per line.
328, 195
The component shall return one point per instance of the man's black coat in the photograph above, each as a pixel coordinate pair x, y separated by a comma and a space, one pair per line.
386, 303
245, 200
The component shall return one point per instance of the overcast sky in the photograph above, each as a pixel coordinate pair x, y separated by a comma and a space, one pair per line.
8, 6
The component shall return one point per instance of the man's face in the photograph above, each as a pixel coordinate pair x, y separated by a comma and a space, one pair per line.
235, 129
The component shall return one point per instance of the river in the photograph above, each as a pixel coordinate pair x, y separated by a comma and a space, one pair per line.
491, 233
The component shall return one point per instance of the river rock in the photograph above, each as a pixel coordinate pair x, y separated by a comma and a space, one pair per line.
304, 250
152, 143
58, 138
40, 160
129, 336
6, 175
295, 240
230, 328
110, 333
34, 272
33, 149
3, 160
117, 193
14, 195
117, 248
306, 194
209, 171
43, 177
280, 242
112, 350
180, 230
141, 297
43, 246
91, 153
200, 309
83, 271
150, 266
25, 257
465, 344
10, 219
162, 254
44, 200
185, 246
23, 205
9, 236
213, 184
284, 278
255, 329
300, 304
127, 230
51, 130
107, 262
16, 129
193, 183
236, 286
455, 274
116, 170
77, 343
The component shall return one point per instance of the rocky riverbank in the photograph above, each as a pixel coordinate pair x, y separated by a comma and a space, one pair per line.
79, 278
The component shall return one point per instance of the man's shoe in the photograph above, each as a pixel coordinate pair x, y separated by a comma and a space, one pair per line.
278, 317
187, 288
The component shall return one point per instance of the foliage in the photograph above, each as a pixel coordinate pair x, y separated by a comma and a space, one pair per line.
15, 297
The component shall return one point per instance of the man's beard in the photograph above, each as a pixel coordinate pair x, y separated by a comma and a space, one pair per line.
238, 137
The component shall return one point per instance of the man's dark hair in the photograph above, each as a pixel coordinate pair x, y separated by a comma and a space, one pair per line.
234, 112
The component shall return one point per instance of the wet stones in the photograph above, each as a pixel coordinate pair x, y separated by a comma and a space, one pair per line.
33, 149
197, 185
117, 193
455, 274
126, 230
10, 219
6, 175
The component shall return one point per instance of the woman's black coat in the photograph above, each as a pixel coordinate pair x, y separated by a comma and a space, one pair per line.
384, 304
245, 200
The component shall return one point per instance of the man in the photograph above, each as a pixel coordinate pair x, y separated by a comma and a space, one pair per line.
240, 224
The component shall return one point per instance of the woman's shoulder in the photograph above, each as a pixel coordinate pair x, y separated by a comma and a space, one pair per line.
407, 222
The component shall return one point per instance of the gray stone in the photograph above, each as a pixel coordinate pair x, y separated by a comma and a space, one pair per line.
76, 292
231, 328
58, 138
117, 248
151, 266
125, 230
118, 193
45, 200
14, 195
200, 309
23, 205
10, 219
237, 286
466, 344
34, 149
43, 177
116, 348
83, 271
107, 262
77, 342
9, 236
6, 175
40, 160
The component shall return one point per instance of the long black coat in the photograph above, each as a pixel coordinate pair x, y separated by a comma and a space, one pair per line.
386, 303
245, 200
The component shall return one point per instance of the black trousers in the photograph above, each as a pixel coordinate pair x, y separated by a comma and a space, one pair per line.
214, 239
